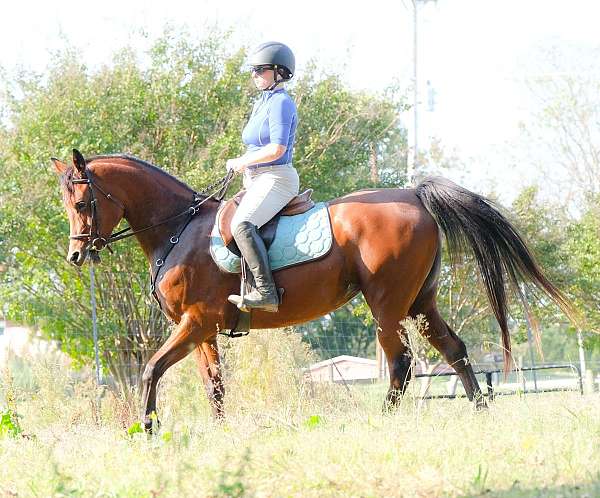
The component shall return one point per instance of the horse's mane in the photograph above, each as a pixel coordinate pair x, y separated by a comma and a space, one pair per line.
139, 161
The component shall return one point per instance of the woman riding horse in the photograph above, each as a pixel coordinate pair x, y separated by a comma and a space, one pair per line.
270, 179
386, 244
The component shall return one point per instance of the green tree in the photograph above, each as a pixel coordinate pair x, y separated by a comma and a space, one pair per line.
582, 248
566, 126
348, 140
568, 251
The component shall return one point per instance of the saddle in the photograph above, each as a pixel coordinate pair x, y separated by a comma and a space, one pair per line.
298, 205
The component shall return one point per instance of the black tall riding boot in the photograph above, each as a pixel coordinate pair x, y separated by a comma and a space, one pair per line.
252, 247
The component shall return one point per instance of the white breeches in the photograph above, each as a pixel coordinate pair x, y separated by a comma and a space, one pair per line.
268, 190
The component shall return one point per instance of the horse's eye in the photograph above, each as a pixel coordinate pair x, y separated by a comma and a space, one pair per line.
80, 206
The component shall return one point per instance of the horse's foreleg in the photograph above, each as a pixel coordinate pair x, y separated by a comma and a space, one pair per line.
177, 346
207, 358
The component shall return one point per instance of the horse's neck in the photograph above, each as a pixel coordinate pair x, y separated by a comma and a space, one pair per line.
149, 197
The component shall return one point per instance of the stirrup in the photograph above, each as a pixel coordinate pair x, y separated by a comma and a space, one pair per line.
238, 300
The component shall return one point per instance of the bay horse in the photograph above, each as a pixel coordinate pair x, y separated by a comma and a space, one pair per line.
386, 244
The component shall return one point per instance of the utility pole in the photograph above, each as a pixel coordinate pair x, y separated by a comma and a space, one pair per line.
413, 167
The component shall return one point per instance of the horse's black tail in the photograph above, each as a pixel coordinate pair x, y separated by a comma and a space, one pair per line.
471, 221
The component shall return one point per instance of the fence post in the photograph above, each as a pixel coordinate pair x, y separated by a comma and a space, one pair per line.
94, 321
378, 354
490, 387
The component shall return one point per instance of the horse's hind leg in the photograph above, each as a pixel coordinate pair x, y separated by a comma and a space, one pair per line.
452, 348
207, 358
389, 309
179, 344
398, 357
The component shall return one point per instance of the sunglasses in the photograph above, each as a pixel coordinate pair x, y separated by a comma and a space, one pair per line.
260, 69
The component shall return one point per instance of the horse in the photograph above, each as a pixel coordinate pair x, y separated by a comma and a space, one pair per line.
386, 244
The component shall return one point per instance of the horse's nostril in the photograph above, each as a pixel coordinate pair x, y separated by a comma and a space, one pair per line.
74, 256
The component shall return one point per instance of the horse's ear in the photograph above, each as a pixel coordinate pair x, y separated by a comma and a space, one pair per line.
78, 161
59, 165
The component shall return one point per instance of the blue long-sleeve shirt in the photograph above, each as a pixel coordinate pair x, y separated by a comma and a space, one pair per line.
273, 121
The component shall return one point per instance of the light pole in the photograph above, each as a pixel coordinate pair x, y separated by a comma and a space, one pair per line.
581, 351
412, 167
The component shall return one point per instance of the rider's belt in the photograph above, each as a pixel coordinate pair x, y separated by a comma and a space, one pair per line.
268, 166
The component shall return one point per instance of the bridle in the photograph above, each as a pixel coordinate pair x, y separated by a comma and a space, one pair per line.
95, 241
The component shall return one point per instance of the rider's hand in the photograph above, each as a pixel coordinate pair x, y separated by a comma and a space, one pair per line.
236, 165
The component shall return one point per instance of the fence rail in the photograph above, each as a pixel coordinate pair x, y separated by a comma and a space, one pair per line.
490, 394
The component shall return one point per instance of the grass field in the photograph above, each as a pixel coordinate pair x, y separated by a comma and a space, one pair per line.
284, 437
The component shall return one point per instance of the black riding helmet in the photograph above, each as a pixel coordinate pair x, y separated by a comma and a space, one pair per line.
278, 55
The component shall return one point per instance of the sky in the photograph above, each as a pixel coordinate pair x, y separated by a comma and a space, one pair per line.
476, 54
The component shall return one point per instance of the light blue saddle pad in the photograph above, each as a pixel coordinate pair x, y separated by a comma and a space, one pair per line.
298, 239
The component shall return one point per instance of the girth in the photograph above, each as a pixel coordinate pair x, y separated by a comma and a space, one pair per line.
299, 204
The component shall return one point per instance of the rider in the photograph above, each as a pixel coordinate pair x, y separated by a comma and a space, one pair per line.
270, 179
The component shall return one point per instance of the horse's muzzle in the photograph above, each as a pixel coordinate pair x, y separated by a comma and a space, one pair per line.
77, 258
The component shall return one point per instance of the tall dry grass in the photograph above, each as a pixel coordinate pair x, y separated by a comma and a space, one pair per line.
287, 437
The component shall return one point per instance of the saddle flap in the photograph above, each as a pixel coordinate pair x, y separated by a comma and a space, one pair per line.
224, 217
